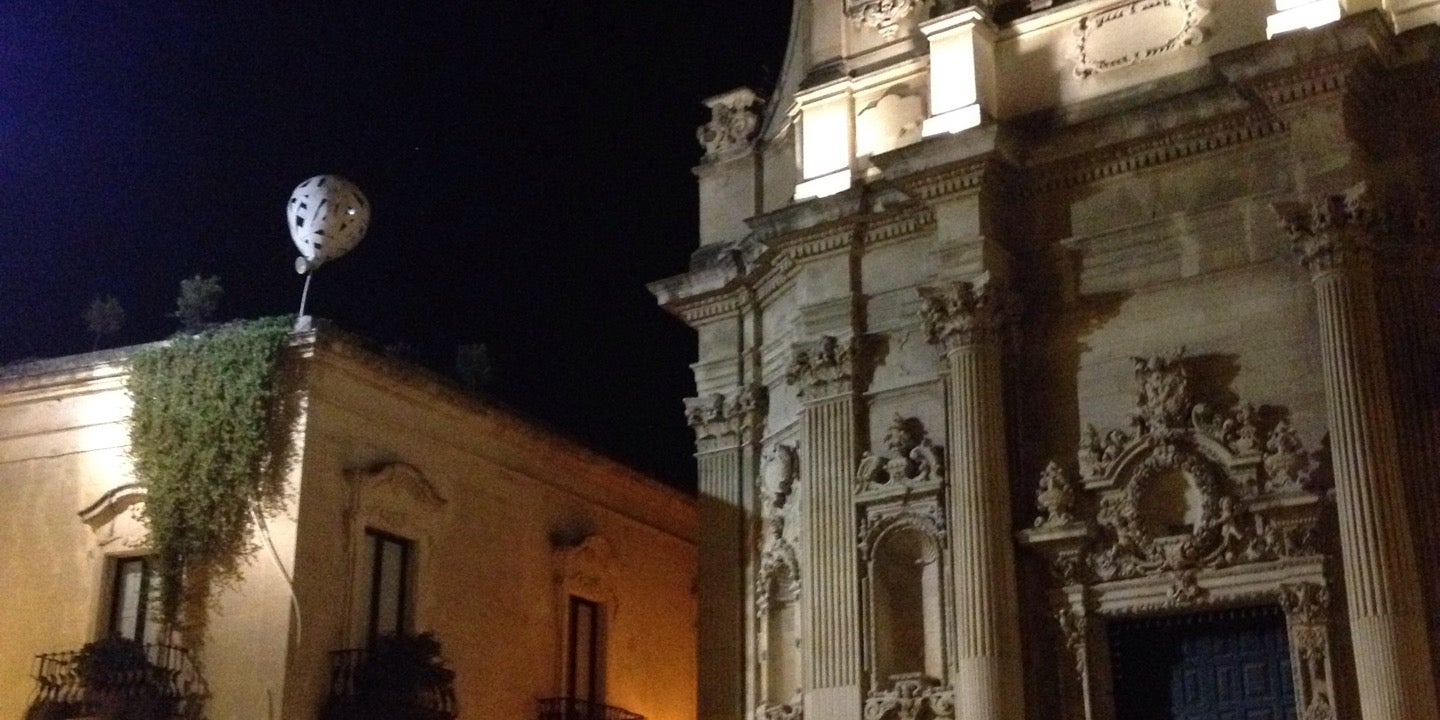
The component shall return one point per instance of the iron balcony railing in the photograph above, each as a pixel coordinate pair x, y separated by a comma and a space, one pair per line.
565, 708
364, 686
144, 681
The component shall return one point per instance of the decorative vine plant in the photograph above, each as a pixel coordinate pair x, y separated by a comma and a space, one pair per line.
210, 441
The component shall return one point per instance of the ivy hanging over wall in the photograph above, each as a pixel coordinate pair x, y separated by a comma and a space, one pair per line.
210, 441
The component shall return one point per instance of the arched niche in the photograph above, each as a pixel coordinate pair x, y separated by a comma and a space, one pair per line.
778, 611
905, 584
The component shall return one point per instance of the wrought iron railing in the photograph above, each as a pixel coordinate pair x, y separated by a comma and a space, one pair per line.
564, 708
363, 685
145, 681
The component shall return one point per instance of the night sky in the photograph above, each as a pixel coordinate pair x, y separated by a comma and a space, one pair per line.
529, 165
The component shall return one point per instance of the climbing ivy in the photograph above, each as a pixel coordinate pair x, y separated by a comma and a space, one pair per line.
209, 440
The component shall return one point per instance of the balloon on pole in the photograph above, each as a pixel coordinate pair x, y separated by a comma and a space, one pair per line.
327, 216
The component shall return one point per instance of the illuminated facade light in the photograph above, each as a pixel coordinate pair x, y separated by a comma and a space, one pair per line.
954, 104
1301, 14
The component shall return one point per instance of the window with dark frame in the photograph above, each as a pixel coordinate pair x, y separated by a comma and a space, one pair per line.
130, 615
391, 560
582, 669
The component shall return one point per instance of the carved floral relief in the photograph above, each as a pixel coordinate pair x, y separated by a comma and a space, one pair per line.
1243, 485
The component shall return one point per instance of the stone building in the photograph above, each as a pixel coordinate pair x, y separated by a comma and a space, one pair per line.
547, 572
1072, 360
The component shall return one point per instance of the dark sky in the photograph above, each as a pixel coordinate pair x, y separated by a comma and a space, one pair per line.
529, 166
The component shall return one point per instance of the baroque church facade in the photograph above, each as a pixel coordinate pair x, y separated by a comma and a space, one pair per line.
1072, 360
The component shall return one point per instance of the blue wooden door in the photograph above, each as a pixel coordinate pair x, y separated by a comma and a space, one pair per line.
1233, 665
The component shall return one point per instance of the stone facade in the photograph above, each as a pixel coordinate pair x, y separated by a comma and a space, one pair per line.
1068, 319
506, 522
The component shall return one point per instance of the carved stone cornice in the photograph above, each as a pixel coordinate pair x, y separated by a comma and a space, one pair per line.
720, 421
960, 314
1335, 231
824, 367
883, 16
734, 118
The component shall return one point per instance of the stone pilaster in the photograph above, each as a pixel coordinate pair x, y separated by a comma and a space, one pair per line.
1408, 290
1334, 238
968, 320
726, 429
824, 372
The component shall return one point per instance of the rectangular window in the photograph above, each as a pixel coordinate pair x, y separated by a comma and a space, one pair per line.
131, 615
583, 671
390, 568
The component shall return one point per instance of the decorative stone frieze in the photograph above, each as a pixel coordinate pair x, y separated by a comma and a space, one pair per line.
734, 118
883, 16
719, 421
963, 313
916, 460
1133, 32
824, 367
912, 698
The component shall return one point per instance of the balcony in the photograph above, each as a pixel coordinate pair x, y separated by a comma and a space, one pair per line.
399, 677
564, 708
118, 678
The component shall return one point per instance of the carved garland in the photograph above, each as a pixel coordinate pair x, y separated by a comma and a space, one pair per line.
1126, 34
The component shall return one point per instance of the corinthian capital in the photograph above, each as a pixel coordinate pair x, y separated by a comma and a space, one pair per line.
717, 419
1337, 230
958, 314
823, 367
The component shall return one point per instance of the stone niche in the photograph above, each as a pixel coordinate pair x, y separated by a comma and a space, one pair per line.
905, 565
1191, 509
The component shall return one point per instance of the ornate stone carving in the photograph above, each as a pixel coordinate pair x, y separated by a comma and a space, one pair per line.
1186, 590
823, 367
912, 697
733, 122
1336, 230
779, 469
1208, 464
717, 419
927, 519
1163, 401
962, 313
916, 459
1307, 603
1134, 32
778, 581
1287, 463
1307, 611
1074, 628
793, 710
882, 15
1056, 498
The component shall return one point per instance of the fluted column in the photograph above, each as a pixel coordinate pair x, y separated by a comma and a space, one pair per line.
1334, 238
1409, 295
724, 429
966, 319
824, 372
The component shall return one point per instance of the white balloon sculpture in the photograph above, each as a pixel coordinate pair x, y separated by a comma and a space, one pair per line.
328, 217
